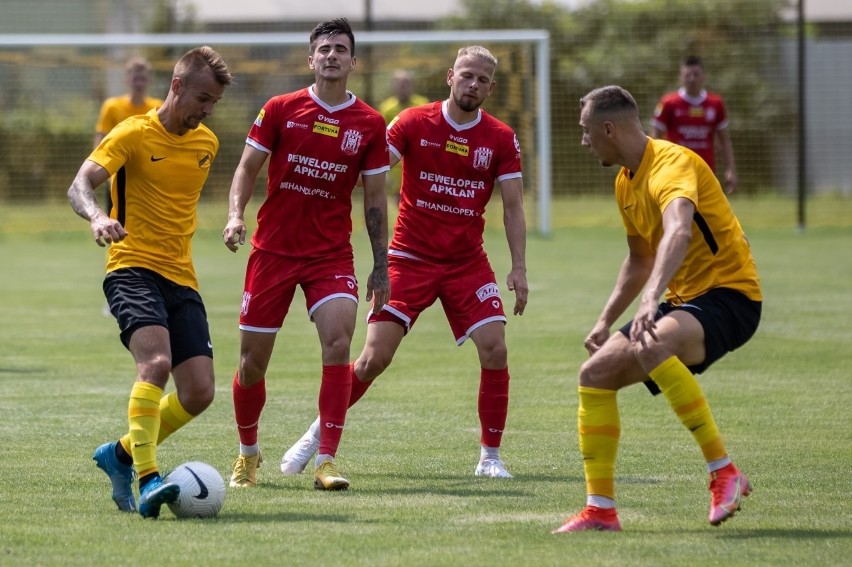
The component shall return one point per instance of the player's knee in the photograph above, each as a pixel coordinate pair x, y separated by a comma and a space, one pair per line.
198, 398
651, 355
595, 374
203, 397
494, 355
336, 350
156, 369
251, 371
371, 364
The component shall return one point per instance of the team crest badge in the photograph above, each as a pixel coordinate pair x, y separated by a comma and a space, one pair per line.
351, 142
482, 158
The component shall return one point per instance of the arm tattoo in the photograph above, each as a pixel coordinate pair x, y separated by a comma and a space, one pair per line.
374, 230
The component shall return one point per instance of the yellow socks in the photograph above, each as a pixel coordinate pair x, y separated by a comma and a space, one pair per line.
687, 400
599, 429
172, 418
143, 415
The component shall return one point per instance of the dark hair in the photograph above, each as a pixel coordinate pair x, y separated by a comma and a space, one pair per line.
608, 100
336, 26
197, 59
692, 61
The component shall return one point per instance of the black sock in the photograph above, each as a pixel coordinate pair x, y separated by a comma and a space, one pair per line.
123, 456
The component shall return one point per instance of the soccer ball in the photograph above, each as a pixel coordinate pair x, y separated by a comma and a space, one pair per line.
202, 490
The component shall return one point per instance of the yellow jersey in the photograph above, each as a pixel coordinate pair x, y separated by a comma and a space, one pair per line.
391, 106
157, 178
119, 108
719, 254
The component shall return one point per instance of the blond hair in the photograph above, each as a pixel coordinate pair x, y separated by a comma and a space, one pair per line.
197, 59
477, 51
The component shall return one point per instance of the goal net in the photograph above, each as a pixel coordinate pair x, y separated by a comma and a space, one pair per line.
52, 86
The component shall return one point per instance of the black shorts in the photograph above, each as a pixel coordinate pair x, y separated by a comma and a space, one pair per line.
728, 317
139, 297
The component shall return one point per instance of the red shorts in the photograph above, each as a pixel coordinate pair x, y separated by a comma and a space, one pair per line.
467, 290
271, 282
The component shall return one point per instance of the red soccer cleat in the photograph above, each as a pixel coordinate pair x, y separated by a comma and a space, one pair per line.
727, 486
591, 518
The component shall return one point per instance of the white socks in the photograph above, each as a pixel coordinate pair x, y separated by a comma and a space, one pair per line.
249, 450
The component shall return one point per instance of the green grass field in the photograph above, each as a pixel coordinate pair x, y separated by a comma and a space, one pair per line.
782, 403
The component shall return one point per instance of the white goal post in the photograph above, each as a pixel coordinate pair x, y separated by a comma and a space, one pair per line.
538, 39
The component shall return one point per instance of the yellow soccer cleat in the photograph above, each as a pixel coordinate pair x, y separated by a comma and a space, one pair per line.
245, 470
327, 477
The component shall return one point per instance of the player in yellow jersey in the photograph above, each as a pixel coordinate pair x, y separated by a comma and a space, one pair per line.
682, 235
118, 108
403, 97
159, 163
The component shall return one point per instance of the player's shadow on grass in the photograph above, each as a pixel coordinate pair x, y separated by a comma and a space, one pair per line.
22, 370
788, 534
251, 517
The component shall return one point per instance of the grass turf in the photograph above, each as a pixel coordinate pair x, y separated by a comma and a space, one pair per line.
782, 403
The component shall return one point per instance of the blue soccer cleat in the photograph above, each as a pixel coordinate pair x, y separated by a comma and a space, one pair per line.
119, 474
155, 494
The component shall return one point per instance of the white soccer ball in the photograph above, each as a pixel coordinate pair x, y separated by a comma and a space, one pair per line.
202, 490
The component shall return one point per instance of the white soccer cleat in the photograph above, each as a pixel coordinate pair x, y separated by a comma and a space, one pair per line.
299, 455
493, 468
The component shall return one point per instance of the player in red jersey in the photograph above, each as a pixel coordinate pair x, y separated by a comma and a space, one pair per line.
695, 118
319, 140
453, 153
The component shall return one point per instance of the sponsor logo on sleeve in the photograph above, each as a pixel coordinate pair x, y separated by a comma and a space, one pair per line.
259, 120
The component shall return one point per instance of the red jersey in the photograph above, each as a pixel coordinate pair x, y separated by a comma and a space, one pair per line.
691, 121
316, 154
448, 175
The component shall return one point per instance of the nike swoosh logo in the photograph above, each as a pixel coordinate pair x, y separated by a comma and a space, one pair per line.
625, 208
204, 492
141, 444
157, 158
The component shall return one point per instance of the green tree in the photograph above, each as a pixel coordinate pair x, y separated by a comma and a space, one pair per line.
639, 45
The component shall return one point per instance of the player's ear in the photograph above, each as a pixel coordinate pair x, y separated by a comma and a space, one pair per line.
352, 64
310, 61
450, 76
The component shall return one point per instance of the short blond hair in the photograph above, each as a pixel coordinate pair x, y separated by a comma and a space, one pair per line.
197, 59
477, 51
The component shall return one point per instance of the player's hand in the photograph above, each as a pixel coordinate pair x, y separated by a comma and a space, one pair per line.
596, 338
107, 230
644, 323
517, 282
234, 234
378, 288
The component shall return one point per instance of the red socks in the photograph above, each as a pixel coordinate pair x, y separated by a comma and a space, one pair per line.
493, 405
358, 388
248, 403
334, 400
